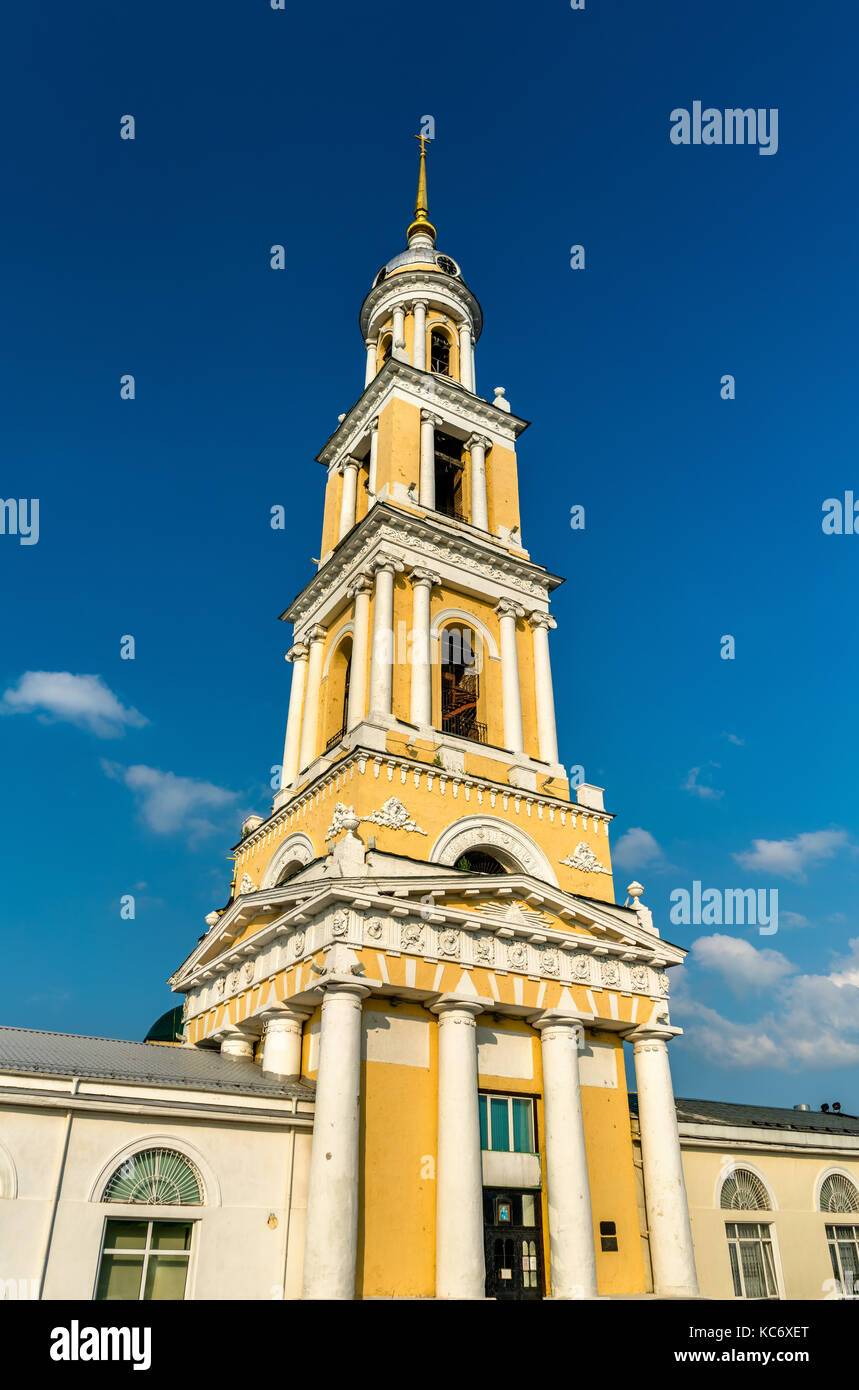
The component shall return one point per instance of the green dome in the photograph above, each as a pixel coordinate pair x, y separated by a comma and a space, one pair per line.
167, 1028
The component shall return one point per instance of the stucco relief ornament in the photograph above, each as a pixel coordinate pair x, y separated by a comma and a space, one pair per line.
220, 986
662, 981
374, 929
247, 972
517, 956
584, 858
298, 942
232, 981
342, 812
639, 977
340, 925
550, 962
449, 942
394, 816
581, 967
484, 950
247, 884
610, 972
412, 934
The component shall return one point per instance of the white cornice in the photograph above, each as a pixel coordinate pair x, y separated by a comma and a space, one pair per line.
428, 389
426, 536
432, 285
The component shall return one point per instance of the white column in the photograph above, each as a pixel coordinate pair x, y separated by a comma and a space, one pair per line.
419, 352
235, 1043
281, 1041
466, 361
360, 593
671, 1254
479, 509
382, 659
429, 422
571, 1228
348, 497
374, 463
460, 1268
511, 695
399, 334
420, 698
372, 349
298, 656
547, 732
331, 1239
310, 724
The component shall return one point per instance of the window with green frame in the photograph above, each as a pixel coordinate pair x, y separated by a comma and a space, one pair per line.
144, 1260
507, 1124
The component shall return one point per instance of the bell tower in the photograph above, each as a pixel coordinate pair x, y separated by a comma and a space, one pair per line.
424, 636
424, 925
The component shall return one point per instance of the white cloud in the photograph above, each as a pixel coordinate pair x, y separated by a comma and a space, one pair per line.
169, 803
59, 696
732, 738
811, 1023
741, 963
637, 849
791, 858
700, 788
792, 919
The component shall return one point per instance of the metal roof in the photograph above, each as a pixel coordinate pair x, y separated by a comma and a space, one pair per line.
28, 1052
723, 1112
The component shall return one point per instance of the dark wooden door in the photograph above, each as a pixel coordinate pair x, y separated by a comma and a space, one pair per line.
513, 1244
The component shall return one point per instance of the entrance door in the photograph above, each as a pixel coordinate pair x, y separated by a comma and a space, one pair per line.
512, 1243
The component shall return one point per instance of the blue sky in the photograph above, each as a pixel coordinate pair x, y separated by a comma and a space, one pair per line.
703, 516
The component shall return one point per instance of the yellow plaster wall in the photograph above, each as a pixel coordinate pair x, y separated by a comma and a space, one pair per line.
399, 444
502, 488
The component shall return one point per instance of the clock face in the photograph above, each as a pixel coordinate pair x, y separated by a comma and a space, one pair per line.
447, 265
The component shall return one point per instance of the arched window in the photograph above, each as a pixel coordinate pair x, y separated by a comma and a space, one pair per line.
439, 353
476, 861
460, 685
289, 871
156, 1177
337, 703
838, 1193
385, 349
448, 475
743, 1191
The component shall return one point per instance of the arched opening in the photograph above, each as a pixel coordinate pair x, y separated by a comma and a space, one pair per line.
448, 475
439, 353
385, 348
477, 861
460, 684
337, 703
289, 871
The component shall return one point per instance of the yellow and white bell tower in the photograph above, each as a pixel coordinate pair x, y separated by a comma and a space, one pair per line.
425, 922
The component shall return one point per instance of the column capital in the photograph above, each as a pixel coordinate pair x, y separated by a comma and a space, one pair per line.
347, 462
505, 608
283, 1014
361, 584
561, 1020
338, 983
317, 633
297, 652
448, 1004
544, 620
370, 343
661, 1033
424, 576
387, 562
481, 441
430, 418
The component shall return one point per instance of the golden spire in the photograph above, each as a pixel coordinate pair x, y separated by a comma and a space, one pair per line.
422, 222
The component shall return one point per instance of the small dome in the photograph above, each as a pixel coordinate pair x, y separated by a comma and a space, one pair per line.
420, 255
167, 1028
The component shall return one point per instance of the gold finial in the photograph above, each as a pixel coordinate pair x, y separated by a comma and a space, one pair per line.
422, 222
